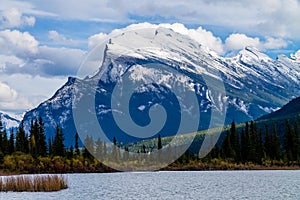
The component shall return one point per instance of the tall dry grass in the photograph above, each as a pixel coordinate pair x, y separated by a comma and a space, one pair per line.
40, 183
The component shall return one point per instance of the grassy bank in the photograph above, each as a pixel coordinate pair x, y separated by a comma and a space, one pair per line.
35, 183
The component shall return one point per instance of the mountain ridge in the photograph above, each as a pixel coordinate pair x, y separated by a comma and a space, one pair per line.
255, 85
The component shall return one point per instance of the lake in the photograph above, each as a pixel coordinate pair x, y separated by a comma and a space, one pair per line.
175, 185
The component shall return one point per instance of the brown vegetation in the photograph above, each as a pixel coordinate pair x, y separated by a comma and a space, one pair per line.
41, 183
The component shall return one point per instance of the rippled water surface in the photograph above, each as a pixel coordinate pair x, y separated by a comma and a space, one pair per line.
175, 185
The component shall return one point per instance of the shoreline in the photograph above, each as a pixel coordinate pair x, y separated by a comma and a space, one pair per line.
207, 168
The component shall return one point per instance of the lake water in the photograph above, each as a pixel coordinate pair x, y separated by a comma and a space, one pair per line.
175, 185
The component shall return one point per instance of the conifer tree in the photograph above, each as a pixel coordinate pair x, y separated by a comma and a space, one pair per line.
275, 144
21, 139
268, 143
115, 151
260, 147
126, 154
88, 147
1, 135
253, 153
11, 141
42, 144
244, 147
296, 141
227, 150
288, 142
77, 151
99, 148
235, 143
50, 146
5, 145
58, 143
159, 144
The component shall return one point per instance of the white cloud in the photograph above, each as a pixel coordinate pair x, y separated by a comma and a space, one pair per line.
7, 94
17, 43
276, 18
31, 90
58, 38
20, 53
233, 42
200, 35
239, 41
94, 40
14, 18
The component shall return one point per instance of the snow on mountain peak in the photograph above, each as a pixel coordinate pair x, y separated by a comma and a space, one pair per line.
10, 121
253, 54
296, 56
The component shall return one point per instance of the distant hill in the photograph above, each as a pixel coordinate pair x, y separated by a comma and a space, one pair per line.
290, 110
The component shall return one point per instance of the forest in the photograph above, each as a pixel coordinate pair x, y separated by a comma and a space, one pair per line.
247, 147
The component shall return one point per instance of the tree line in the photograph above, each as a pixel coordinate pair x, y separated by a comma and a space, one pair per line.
255, 145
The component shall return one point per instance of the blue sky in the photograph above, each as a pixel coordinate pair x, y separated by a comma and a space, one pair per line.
43, 42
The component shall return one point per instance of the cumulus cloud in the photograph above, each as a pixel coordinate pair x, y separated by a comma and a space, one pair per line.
31, 90
239, 41
58, 38
17, 43
20, 53
14, 18
233, 42
7, 94
200, 35
94, 40
277, 18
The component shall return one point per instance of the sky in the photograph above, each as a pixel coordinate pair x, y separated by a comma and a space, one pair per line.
42, 43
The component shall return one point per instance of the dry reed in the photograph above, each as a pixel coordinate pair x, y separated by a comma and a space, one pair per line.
41, 183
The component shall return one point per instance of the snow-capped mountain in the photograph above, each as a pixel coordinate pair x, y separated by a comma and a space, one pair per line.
255, 84
10, 121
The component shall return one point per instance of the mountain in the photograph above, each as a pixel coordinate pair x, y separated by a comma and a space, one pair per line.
254, 85
10, 121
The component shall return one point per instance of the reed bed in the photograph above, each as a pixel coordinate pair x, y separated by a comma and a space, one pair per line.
40, 183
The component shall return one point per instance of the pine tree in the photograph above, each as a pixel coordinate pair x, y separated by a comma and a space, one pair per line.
42, 144
159, 144
235, 143
248, 142
244, 147
1, 136
227, 150
268, 143
115, 151
5, 145
288, 142
143, 149
88, 148
99, 149
275, 144
260, 147
11, 141
21, 139
77, 151
126, 154
253, 143
71, 152
58, 143
296, 141
32, 139
50, 146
